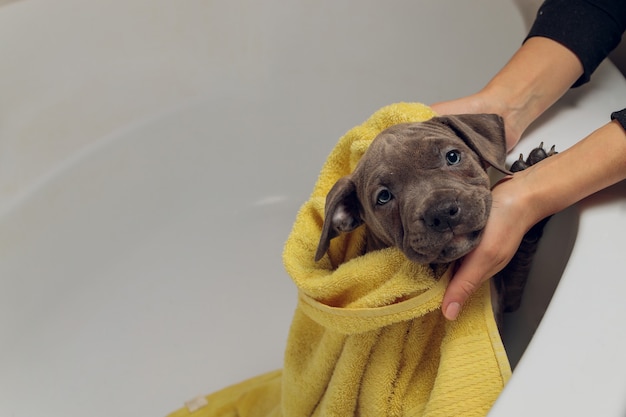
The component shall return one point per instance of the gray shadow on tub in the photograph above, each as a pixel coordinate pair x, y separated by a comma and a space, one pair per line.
548, 265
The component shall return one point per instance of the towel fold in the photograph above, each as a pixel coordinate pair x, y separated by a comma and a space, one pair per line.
368, 337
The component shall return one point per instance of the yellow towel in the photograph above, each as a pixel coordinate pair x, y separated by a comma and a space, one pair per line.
368, 338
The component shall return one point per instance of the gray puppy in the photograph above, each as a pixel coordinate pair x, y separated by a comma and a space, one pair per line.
423, 188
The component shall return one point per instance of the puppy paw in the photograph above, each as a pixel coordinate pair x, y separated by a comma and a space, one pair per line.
536, 155
514, 276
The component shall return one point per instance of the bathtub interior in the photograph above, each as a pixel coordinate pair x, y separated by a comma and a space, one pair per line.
136, 269
141, 263
548, 265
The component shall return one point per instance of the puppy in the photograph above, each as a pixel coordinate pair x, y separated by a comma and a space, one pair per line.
423, 188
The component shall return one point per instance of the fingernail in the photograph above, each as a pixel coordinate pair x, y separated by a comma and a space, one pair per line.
452, 312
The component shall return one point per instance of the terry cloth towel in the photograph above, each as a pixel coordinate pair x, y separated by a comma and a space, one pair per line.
368, 338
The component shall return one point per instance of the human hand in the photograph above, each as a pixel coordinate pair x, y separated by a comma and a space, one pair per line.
480, 103
502, 235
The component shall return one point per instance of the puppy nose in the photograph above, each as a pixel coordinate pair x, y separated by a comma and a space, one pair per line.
443, 216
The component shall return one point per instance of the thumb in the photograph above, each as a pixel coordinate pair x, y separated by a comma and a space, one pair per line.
464, 283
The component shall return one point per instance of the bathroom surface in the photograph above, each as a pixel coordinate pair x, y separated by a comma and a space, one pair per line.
154, 154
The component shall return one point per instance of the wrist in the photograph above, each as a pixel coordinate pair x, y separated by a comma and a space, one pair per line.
521, 199
539, 73
501, 100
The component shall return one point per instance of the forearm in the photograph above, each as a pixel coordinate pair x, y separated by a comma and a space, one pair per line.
592, 164
539, 73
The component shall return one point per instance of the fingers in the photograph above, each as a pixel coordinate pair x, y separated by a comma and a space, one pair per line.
470, 275
459, 106
475, 104
501, 237
478, 266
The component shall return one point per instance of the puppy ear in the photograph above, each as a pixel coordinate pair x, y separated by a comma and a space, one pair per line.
342, 213
484, 133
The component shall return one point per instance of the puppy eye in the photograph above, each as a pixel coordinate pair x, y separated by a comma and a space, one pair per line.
384, 196
453, 157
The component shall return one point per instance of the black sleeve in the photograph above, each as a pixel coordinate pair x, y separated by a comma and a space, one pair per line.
620, 116
589, 28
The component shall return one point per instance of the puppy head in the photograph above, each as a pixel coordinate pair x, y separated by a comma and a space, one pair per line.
421, 187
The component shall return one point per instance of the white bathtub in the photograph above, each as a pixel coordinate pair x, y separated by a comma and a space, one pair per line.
153, 155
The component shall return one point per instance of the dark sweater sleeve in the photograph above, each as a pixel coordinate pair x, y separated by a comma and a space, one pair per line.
591, 29
620, 117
